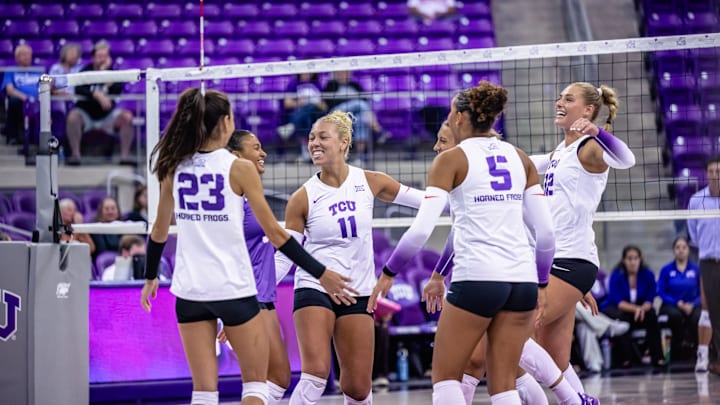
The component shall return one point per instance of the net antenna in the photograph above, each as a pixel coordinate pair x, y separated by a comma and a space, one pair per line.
202, 45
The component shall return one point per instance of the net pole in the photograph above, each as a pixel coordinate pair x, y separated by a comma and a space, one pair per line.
202, 45
152, 127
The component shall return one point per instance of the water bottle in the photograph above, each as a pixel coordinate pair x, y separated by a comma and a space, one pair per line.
61, 154
606, 353
402, 364
666, 335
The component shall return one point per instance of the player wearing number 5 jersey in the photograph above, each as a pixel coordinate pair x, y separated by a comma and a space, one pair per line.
203, 184
334, 211
576, 173
494, 193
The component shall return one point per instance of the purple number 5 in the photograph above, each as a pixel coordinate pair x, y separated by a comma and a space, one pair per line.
503, 174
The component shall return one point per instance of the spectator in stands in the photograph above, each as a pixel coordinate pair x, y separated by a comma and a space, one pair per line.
107, 212
70, 215
4, 237
98, 111
589, 328
704, 233
69, 63
631, 293
130, 246
429, 10
302, 109
345, 94
679, 289
21, 88
139, 212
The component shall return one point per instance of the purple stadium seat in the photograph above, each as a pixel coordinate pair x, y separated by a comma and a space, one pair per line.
192, 11
6, 205
279, 11
659, 23
274, 47
322, 10
676, 89
24, 200
477, 27
86, 45
239, 85
270, 84
394, 115
83, 11
315, 48
12, 11
163, 11
438, 28
241, 11
139, 29
475, 9
393, 10
395, 83
21, 220
134, 88
700, 6
219, 29
234, 47
55, 11
705, 59
407, 28
364, 29
469, 79
155, 47
674, 61
686, 150
92, 199
381, 241
253, 29
291, 29
434, 44
121, 63
399, 45
688, 180
474, 42
348, 47
120, 10
191, 47
328, 29
99, 29
653, 6
438, 82
27, 29
357, 10
711, 119
178, 29
68, 28
124, 47
223, 60
700, 22
103, 261
176, 62
41, 47
709, 87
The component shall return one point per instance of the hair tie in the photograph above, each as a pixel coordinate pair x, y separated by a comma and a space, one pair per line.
609, 121
599, 90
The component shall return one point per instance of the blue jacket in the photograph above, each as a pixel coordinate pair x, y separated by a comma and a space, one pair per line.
674, 285
619, 288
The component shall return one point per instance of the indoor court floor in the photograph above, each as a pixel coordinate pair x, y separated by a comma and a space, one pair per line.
644, 388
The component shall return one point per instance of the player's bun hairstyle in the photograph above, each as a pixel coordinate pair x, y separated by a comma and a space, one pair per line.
236, 139
343, 121
599, 96
484, 102
193, 123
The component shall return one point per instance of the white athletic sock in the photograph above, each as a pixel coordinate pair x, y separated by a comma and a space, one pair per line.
447, 392
530, 391
506, 398
572, 377
308, 390
366, 401
276, 393
468, 386
256, 389
205, 398
703, 350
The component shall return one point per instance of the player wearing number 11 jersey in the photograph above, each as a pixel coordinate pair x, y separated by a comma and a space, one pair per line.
334, 211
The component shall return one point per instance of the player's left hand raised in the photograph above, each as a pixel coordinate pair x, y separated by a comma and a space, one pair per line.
381, 289
585, 127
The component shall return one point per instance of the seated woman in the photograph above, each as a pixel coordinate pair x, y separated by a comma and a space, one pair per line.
631, 292
679, 289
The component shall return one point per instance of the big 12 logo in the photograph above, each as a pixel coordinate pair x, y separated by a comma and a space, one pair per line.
13, 305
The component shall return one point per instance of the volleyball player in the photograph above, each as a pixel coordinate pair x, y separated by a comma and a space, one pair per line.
531, 393
576, 174
203, 184
334, 210
493, 190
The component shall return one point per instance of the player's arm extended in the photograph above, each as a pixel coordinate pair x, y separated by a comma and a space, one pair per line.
388, 189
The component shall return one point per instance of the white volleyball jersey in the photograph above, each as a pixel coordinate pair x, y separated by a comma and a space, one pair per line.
574, 195
338, 231
212, 261
490, 240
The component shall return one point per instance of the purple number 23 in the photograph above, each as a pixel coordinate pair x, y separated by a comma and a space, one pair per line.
190, 188
505, 182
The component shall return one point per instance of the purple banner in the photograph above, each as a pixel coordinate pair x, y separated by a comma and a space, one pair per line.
129, 344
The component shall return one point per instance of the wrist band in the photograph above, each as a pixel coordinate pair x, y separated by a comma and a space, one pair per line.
154, 254
302, 258
388, 272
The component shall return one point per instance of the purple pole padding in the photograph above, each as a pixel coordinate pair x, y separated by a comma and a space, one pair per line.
617, 154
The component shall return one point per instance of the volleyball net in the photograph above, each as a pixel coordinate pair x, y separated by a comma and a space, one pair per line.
668, 88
